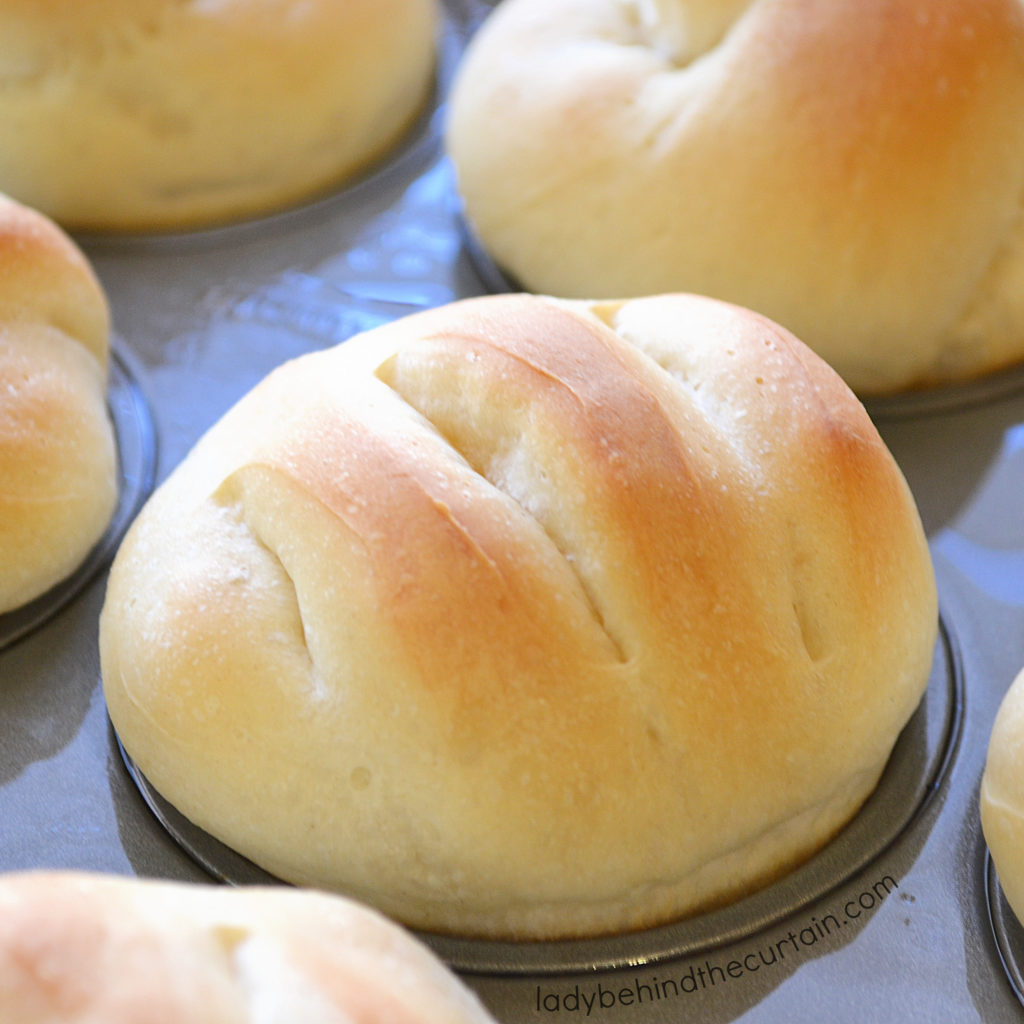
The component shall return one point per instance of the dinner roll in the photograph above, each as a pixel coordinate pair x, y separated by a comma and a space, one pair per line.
58, 463
79, 948
527, 618
1002, 795
153, 114
852, 169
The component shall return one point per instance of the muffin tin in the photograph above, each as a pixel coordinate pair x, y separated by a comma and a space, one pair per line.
901, 917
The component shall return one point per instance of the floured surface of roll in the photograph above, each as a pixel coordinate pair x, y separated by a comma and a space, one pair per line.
58, 464
528, 618
1002, 796
77, 948
153, 114
852, 169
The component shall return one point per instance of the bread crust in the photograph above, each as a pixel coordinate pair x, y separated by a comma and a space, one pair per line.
58, 471
77, 947
152, 114
1002, 795
528, 618
853, 170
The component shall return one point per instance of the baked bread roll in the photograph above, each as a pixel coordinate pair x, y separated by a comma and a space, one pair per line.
1002, 795
58, 463
526, 618
156, 114
76, 948
851, 169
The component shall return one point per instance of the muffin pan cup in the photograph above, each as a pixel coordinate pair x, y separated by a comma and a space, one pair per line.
900, 918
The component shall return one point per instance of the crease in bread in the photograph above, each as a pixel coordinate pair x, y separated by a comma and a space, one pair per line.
499, 450
596, 645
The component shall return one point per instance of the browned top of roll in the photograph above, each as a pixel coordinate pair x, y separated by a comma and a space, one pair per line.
528, 617
852, 169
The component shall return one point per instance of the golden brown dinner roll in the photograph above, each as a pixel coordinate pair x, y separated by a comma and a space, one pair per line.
148, 114
58, 471
1002, 795
851, 168
527, 618
77, 948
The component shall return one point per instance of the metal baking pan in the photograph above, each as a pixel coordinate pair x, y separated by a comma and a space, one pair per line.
900, 918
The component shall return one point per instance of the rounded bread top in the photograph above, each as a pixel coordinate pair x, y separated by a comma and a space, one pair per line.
525, 618
120, 115
57, 448
77, 947
1002, 795
853, 170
